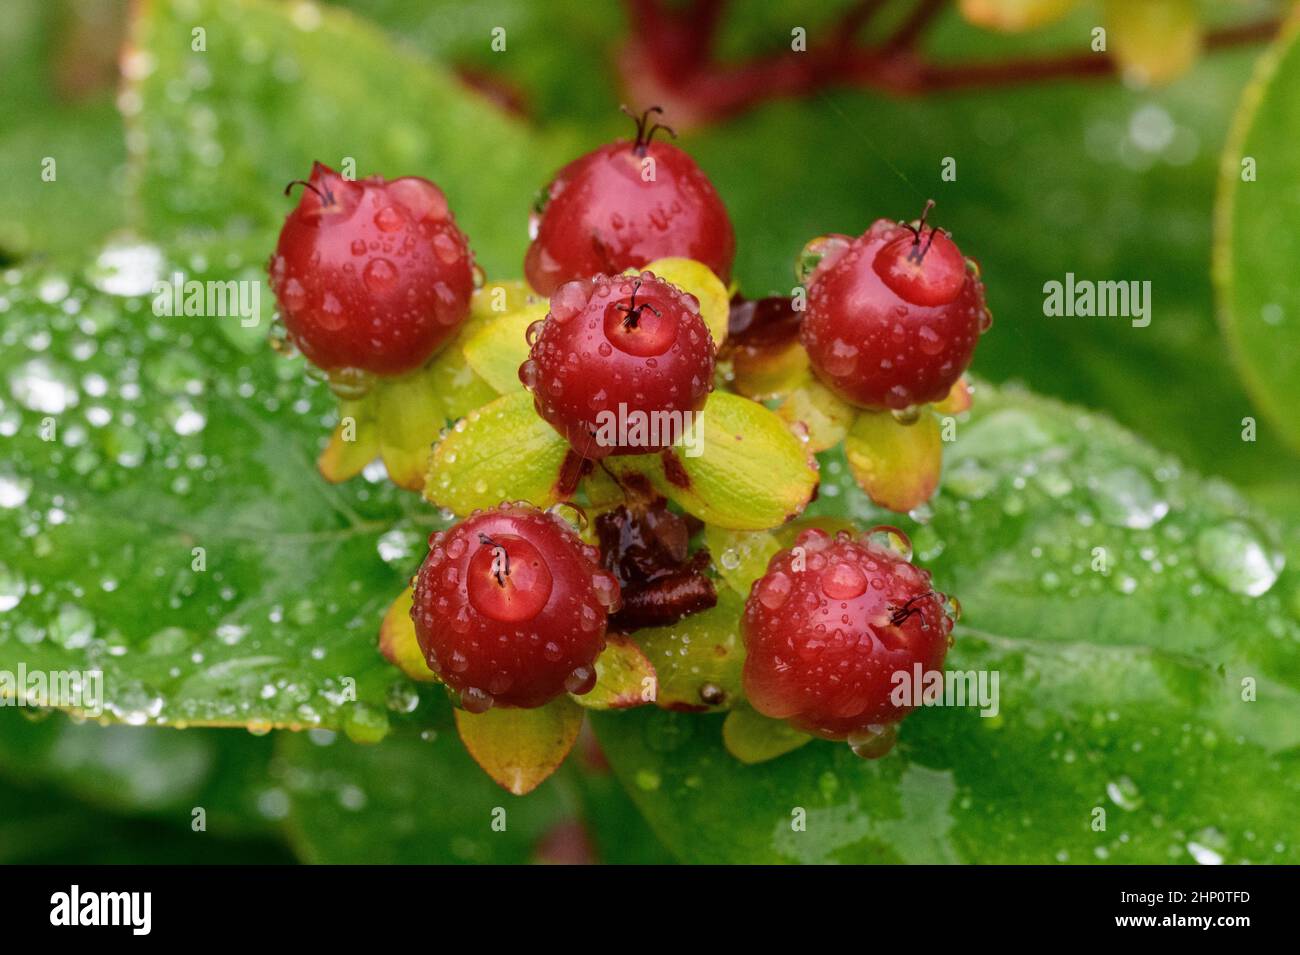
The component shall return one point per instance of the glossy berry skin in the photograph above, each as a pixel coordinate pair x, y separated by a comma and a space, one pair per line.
600, 214
825, 634
632, 341
510, 608
890, 323
369, 274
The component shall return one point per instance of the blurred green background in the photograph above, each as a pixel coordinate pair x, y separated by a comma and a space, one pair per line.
1089, 176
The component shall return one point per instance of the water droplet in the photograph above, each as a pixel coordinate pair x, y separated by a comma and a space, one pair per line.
1123, 792
843, 581
127, 268
72, 628
44, 387
389, 219
1237, 557
874, 741
1125, 498
379, 275
823, 250
446, 248
403, 697
891, 538
12, 587
14, 491
909, 415
774, 590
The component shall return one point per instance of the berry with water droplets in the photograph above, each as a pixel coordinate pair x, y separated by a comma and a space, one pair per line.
827, 628
371, 274
623, 206
618, 362
510, 608
893, 316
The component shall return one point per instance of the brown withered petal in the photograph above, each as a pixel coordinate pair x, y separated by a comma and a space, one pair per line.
645, 545
762, 323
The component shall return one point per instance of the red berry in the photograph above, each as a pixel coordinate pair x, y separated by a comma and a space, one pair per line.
510, 608
617, 363
623, 206
828, 626
893, 315
370, 274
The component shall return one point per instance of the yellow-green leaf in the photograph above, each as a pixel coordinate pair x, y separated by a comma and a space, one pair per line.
896, 464
817, 414
752, 737
764, 373
410, 416
498, 347
457, 385
520, 748
496, 299
1153, 41
750, 473
699, 658
500, 452
398, 643
353, 445
624, 677
958, 400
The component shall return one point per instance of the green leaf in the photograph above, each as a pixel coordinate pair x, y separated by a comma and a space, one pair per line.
751, 472
174, 533
1121, 600
407, 801
142, 770
44, 827
217, 132
1257, 239
501, 452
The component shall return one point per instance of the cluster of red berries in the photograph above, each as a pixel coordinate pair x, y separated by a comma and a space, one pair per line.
511, 607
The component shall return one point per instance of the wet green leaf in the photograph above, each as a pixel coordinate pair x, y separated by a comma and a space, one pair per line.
407, 801
174, 532
1110, 590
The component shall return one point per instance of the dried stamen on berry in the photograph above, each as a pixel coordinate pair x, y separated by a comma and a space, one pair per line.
326, 197
644, 130
634, 310
500, 559
917, 253
900, 614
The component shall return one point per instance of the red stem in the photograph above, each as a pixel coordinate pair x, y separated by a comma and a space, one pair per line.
676, 45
